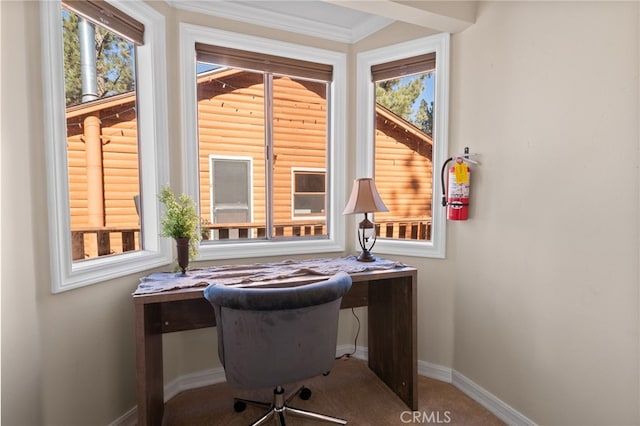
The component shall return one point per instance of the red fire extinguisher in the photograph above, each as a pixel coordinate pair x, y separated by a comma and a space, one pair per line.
456, 197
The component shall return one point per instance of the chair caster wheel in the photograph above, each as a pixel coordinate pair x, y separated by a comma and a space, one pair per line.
239, 406
305, 393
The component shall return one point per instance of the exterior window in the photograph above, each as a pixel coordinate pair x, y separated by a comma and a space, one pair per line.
102, 136
96, 54
407, 143
276, 113
404, 146
267, 113
308, 193
231, 184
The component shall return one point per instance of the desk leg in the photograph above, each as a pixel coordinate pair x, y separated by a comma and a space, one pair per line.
393, 352
149, 379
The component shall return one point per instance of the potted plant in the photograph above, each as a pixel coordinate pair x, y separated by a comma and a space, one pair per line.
180, 222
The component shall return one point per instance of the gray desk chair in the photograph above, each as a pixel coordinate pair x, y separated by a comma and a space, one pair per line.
268, 337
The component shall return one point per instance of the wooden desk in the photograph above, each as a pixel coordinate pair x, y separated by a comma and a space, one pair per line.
389, 295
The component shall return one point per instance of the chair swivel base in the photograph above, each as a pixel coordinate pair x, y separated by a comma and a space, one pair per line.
280, 408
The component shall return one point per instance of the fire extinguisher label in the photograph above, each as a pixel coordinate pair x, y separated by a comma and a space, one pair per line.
461, 173
458, 190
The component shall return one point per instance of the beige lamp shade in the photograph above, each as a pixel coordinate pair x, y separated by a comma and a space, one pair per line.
364, 198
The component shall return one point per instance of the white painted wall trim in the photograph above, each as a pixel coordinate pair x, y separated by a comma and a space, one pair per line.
434, 371
489, 401
130, 418
368, 25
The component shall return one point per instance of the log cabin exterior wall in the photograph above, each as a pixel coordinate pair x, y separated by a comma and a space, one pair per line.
231, 116
403, 168
120, 168
231, 124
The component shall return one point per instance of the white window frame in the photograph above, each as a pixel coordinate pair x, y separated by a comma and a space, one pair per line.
152, 130
189, 35
293, 190
365, 136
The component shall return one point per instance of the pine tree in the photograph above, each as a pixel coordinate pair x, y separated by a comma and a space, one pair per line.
424, 117
399, 95
114, 61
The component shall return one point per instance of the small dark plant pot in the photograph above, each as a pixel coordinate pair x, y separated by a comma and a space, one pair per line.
182, 244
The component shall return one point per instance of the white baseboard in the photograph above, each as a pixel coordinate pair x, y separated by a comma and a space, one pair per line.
360, 352
434, 371
495, 405
130, 418
192, 381
445, 374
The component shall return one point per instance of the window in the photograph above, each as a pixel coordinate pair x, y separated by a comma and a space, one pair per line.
279, 107
102, 137
402, 141
231, 183
106, 135
309, 197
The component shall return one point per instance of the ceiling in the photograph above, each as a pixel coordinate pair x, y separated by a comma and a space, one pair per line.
338, 20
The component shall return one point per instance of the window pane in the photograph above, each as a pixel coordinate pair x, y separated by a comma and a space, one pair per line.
230, 182
231, 197
403, 155
231, 140
102, 139
299, 141
309, 194
276, 124
309, 182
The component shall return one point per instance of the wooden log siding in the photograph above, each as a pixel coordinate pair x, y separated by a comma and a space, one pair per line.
404, 174
230, 120
121, 178
231, 123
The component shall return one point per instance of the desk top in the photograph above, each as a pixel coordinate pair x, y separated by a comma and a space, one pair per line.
161, 286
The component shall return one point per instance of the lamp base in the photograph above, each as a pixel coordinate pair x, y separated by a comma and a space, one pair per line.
366, 256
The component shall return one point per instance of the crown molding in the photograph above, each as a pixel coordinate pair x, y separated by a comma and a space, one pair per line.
267, 18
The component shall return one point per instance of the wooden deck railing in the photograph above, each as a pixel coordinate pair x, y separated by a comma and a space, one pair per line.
226, 231
410, 229
103, 241
96, 242
406, 229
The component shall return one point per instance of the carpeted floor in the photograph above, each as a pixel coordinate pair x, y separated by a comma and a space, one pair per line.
351, 391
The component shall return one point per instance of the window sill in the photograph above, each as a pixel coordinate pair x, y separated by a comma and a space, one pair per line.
98, 270
239, 250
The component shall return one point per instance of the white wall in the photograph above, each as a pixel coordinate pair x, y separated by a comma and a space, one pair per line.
21, 344
546, 298
538, 299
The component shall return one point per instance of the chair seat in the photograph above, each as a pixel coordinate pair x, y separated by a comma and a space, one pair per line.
268, 337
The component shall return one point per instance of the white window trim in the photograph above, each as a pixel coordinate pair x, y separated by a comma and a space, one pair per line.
152, 121
293, 190
365, 140
189, 35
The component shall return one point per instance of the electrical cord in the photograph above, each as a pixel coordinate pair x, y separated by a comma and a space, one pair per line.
355, 342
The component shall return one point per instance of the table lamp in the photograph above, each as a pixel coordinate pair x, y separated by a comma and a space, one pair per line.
365, 199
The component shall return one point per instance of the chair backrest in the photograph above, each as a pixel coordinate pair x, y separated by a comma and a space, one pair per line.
273, 336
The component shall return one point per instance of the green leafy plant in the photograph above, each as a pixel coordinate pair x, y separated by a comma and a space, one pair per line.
180, 219
204, 231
